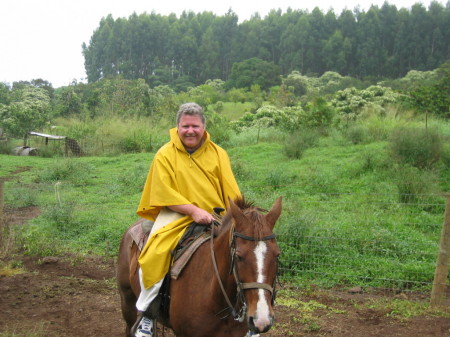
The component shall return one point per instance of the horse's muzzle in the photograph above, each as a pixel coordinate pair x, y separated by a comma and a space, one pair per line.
260, 325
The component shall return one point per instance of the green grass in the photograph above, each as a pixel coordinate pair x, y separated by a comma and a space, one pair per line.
234, 111
351, 214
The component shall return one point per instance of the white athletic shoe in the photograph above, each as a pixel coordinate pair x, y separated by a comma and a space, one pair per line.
145, 328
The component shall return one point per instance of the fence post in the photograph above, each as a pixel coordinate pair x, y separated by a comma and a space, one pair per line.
1, 203
441, 273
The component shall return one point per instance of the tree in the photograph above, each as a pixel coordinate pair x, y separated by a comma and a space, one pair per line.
435, 98
254, 71
370, 53
297, 82
4, 93
336, 51
68, 101
30, 111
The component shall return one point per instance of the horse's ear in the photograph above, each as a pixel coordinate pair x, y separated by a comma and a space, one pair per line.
236, 212
274, 212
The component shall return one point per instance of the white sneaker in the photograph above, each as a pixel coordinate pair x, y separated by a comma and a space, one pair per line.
251, 334
145, 328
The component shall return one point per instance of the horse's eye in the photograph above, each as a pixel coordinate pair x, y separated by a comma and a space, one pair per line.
239, 258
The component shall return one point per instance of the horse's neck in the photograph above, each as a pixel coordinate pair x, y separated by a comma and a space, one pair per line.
223, 262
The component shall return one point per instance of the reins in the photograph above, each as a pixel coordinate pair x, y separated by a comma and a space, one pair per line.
240, 286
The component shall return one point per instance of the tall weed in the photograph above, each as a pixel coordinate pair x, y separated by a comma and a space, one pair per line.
62, 216
419, 147
255, 135
20, 196
71, 170
297, 143
414, 185
5, 147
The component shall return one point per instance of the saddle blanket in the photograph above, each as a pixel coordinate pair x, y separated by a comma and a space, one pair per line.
140, 233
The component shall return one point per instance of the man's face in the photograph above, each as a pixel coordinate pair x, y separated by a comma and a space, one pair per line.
190, 131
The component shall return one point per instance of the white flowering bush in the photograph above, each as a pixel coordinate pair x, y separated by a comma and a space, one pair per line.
265, 116
350, 102
30, 112
287, 119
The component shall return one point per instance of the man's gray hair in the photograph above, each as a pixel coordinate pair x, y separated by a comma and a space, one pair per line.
192, 109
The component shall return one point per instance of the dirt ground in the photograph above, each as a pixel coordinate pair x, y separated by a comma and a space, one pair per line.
73, 296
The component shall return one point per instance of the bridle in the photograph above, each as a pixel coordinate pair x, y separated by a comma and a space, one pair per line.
241, 287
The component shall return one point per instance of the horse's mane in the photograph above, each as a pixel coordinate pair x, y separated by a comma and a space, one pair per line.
252, 213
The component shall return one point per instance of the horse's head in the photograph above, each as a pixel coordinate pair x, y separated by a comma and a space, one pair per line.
254, 253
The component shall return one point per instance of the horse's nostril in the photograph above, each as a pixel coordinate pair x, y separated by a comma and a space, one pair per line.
259, 326
251, 323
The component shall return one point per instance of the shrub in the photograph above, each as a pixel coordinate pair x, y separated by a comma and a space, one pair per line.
61, 216
67, 170
297, 143
350, 102
357, 134
414, 186
20, 196
419, 147
5, 147
318, 113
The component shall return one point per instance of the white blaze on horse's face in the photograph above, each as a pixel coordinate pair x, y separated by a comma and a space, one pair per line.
263, 317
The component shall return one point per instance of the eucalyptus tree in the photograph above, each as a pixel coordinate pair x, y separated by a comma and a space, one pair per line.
314, 47
336, 51
439, 48
225, 28
388, 27
370, 53
420, 36
294, 43
248, 41
272, 28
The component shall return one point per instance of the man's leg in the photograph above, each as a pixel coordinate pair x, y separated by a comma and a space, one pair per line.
147, 295
144, 325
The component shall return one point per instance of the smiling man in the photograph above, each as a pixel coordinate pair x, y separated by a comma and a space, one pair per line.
189, 176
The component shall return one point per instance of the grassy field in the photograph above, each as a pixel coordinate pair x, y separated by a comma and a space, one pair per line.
352, 213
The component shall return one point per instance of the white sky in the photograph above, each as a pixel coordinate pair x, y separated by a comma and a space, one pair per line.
42, 39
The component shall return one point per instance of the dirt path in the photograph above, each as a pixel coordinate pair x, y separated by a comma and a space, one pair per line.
70, 296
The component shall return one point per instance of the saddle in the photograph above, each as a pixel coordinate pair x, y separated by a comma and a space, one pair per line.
193, 238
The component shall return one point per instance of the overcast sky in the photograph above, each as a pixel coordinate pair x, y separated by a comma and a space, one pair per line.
42, 39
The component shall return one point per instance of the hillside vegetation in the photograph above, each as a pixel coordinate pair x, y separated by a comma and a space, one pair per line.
361, 203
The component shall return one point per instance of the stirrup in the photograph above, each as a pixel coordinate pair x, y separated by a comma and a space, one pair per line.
252, 334
136, 324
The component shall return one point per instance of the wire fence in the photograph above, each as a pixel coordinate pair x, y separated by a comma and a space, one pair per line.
378, 243
345, 241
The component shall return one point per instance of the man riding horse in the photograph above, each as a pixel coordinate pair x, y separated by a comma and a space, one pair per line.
189, 176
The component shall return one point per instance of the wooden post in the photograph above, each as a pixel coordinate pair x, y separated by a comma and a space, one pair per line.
441, 273
1, 203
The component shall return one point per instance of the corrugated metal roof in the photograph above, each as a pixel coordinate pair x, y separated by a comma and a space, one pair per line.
46, 135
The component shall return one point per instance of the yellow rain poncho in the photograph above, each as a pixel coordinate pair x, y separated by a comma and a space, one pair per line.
204, 179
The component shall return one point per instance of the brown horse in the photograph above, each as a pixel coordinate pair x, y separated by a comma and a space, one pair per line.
228, 286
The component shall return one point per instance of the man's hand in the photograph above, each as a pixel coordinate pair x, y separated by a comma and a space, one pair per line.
199, 215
